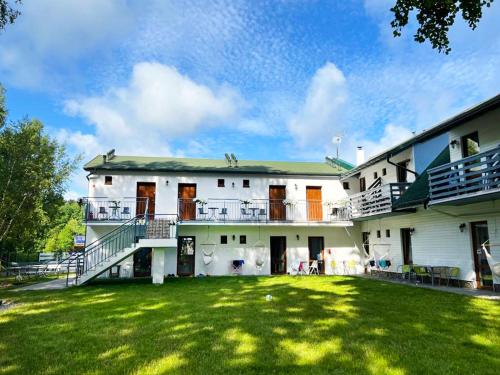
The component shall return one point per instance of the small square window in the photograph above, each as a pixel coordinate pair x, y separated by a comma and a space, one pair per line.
220, 182
246, 183
375, 175
243, 240
379, 234
108, 180
223, 240
384, 171
346, 185
387, 233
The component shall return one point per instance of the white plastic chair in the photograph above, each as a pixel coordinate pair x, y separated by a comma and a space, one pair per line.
314, 268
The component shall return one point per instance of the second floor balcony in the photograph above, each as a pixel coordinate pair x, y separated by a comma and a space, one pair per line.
261, 211
378, 200
468, 179
106, 209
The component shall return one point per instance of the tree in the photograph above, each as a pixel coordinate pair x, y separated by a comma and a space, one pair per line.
34, 170
7, 13
66, 225
3, 108
435, 18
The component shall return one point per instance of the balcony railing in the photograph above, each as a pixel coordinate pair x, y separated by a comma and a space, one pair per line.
261, 210
475, 175
114, 209
378, 200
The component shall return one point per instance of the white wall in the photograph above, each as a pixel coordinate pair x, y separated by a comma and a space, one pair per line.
390, 177
488, 127
437, 239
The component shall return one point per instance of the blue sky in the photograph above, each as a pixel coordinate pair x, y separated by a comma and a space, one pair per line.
262, 79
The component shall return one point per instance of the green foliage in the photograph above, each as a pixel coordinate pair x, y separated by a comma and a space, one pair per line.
34, 170
435, 18
7, 13
66, 224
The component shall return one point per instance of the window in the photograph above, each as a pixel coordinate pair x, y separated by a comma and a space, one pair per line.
108, 180
362, 184
378, 234
387, 233
345, 185
246, 183
375, 175
223, 240
243, 240
220, 182
384, 171
470, 144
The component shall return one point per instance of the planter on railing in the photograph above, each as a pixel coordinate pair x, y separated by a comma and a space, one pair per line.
474, 175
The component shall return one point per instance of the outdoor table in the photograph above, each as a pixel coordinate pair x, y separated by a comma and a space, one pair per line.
254, 211
434, 271
114, 211
213, 212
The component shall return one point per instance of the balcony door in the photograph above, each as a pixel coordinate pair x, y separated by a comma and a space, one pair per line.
185, 256
402, 172
316, 249
278, 255
146, 195
406, 245
314, 203
484, 279
277, 208
187, 207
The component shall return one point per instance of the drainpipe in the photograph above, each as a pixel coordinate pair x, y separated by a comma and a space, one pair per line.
388, 159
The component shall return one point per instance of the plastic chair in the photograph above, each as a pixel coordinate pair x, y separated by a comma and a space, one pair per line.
421, 271
314, 268
102, 214
202, 213
223, 213
237, 266
262, 212
333, 267
453, 274
245, 214
406, 269
125, 212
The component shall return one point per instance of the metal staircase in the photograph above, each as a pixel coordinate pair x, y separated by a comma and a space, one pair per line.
117, 245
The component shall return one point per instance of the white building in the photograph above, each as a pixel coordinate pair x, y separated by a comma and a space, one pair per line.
435, 199
206, 216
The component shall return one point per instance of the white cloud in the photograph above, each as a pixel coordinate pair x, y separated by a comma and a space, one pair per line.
321, 111
158, 104
50, 35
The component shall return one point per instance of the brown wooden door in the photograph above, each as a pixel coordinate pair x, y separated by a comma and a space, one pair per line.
146, 195
480, 235
314, 203
277, 208
187, 206
362, 184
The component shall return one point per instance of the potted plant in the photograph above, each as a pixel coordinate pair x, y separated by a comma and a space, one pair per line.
200, 201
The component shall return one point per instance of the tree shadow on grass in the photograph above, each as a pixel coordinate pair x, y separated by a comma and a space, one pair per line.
219, 325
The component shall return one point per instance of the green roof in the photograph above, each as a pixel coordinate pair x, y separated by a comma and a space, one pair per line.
331, 167
418, 192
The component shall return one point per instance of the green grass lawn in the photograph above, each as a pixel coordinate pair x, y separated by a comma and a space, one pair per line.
335, 325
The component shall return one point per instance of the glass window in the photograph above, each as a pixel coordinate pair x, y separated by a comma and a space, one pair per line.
387, 233
345, 185
243, 240
220, 182
378, 234
470, 144
246, 183
384, 171
108, 180
223, 239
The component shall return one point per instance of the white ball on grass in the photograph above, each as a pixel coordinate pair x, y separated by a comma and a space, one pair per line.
269, 297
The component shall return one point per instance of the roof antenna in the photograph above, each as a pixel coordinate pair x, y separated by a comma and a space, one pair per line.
234, 160
228, 159
336, 141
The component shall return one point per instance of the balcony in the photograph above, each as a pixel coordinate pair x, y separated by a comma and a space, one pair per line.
102, 209
378, 200
469, 179
260, 211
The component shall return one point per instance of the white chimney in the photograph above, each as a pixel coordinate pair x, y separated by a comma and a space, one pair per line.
360, 155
